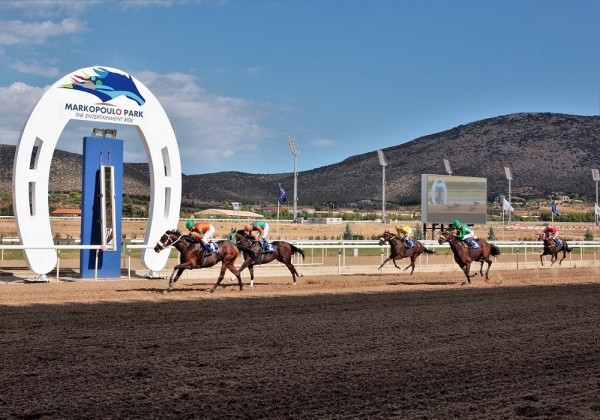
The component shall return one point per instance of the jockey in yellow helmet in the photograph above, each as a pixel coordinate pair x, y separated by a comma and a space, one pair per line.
405, 233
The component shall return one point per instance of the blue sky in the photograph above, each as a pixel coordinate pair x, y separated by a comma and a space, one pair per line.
343, 77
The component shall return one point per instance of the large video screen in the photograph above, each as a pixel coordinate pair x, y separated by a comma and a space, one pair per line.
445, 198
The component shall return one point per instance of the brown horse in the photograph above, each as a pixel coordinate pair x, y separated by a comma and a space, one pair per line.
399, 250
550, 248
192, 255
465, 256
282, 252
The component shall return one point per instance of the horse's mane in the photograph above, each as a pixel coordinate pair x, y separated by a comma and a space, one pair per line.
243, 233
190, 238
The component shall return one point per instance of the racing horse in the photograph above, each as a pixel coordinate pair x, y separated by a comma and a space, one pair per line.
465, 256
399, 251
550, 248
193, 255
282, 252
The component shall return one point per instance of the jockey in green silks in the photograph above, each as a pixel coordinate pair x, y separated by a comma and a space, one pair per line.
262, 228
464, 232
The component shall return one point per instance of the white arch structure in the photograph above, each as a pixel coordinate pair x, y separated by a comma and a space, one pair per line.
102, 95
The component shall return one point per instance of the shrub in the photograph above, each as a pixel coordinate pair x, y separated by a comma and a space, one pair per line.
492, 234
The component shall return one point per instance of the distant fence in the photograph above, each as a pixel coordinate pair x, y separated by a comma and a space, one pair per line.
324, 247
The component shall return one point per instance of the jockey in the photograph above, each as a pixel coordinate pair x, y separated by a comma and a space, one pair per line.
552, 233
203, 231
465, 233
263, 230
405, 233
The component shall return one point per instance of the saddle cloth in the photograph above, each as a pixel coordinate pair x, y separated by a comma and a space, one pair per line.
211, 247
267, 247
472, 244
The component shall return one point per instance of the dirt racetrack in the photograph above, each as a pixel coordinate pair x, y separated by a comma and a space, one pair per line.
523, 345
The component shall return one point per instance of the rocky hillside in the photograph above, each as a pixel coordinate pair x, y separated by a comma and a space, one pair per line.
547, 153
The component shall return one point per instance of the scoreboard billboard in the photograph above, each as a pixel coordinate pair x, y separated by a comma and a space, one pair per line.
445, 198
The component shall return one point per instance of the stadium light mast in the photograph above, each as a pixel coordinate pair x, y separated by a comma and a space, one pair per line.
383, 164
596, 177
294, 150
447, 166
509, 177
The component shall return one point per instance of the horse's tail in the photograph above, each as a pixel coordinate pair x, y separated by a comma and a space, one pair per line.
567, 247
494, 250
428, 251
250, 252
295, 249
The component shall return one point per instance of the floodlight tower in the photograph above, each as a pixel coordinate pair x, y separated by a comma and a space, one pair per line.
596, 177
383, 164
509, 177
294, 149
447, 166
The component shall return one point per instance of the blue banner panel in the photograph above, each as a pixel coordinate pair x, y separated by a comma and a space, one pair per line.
100, 151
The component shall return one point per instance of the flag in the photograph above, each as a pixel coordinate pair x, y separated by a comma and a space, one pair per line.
597, 209
282, 195
506, 205
555, 210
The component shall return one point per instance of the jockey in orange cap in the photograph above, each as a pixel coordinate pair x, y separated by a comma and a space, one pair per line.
203, 231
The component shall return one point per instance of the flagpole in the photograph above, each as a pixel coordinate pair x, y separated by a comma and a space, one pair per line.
503, 225
551, 209
277, 233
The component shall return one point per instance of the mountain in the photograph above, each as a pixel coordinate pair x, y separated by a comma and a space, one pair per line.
547, 153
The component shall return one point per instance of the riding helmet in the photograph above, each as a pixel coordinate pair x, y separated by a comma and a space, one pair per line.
189, 224
457, 223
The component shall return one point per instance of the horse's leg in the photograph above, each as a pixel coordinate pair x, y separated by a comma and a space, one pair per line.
292, 269
251, 270
542, 258
467, 269
224, 266
236, 273
563, 257
489, 262
174, 277
413, 257
385, 262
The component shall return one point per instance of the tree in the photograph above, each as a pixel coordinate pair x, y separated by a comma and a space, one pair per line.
419, 233
348, 236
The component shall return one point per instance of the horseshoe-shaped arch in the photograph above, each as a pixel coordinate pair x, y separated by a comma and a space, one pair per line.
102, 95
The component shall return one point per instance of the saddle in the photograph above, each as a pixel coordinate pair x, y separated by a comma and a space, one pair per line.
267, 248
210, 248
472, 243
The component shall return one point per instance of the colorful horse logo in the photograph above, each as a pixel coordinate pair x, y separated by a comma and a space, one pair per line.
106, 85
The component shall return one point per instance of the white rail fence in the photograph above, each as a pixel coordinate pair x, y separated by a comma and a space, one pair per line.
317, 251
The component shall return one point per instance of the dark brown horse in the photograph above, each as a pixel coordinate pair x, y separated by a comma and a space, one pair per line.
282, 252
550, 248
465, 256
193, 255
399, 250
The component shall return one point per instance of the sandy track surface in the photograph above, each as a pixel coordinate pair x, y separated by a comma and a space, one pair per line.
522, 345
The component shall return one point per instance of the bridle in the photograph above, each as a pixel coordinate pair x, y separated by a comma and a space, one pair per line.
166, 244
387, 237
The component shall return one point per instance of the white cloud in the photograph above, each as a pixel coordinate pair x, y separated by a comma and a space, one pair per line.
322, 143
210, 128
251, 71
37, 68
37, 33
16, 103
